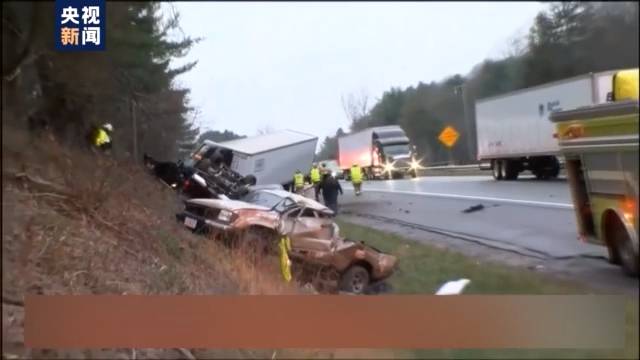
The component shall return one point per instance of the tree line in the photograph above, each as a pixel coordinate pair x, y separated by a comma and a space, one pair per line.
567, 39
131, 84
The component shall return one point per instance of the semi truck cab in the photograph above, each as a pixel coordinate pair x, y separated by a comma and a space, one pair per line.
382, 152
396, 155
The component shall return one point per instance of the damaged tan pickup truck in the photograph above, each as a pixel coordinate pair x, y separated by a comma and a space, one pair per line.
318, 250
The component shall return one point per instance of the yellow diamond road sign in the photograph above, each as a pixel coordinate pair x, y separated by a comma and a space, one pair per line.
449, 136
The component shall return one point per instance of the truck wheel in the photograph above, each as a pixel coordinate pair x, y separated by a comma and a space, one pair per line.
555, 170
249, 180
623, 246
511, 170
355, 280
545, 168
540, 174
414, 174
496, 165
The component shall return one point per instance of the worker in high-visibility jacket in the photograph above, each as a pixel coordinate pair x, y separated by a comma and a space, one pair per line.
356, 178
285, 264
298, 182
314, 175
101, 137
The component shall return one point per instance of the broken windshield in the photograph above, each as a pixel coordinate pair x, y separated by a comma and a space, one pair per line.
268, 200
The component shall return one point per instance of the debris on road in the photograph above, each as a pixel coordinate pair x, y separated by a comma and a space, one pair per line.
536, 267
473, 208
453, 287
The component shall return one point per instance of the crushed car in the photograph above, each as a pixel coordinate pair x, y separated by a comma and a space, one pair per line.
319, 253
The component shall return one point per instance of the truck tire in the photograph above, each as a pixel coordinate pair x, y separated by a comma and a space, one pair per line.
511, 170
555, 170
249, 180
496, 166
355, 280
414, 174
619, 238
540, 174
545, 168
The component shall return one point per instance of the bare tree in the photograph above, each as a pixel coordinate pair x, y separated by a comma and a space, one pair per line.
517, 45
355, 106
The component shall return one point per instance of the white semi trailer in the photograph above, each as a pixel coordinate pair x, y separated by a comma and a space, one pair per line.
513, 130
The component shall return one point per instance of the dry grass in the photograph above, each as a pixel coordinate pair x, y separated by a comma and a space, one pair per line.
77, 224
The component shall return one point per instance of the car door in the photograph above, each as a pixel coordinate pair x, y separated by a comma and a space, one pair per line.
310, 231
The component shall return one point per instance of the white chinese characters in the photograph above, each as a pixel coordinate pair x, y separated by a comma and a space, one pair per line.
69, 14
91, 15
91, 35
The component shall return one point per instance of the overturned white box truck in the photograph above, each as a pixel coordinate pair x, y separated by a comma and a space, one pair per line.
513, 130
270, 158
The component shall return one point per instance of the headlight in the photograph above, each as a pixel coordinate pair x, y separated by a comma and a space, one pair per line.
388, 167
334, 174
225, 216
415, 164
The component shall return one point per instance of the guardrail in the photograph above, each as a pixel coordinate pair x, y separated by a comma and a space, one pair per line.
453, 167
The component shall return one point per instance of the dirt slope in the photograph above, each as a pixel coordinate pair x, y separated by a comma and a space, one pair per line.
75, 224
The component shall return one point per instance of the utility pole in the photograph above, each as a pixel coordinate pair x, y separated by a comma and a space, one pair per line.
461, 90
134, 126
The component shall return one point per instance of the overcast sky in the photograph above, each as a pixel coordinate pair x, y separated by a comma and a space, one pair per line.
287, 64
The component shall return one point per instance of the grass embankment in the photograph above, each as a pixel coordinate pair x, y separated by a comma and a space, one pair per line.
76, 224
424, 268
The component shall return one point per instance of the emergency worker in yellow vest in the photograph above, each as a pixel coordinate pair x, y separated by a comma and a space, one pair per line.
298, 182
356, 178
100, 137
314, 175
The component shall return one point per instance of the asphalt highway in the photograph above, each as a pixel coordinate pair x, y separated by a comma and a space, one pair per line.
527, 223
528, 216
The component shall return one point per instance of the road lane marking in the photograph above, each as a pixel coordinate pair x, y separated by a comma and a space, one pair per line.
480, 198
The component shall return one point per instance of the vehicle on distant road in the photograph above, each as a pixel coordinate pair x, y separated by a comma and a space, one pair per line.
264, 215
381, 152
600, 143
333, 167
514, 133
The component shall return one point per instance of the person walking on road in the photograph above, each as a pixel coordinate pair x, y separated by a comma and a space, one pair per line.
330, 188
298, 182
314, 175
356, 179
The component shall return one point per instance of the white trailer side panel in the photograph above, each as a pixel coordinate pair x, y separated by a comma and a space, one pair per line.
517, 124
277, 166
355, 149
